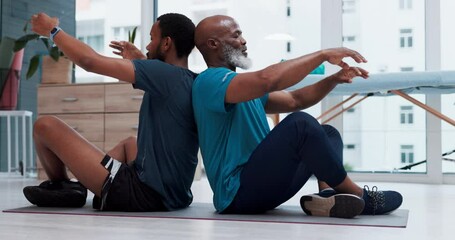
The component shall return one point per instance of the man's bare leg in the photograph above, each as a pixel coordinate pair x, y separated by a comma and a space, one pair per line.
58, 145
322, 185
125, 151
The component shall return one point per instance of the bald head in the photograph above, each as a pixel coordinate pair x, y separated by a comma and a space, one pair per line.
213, 27
220, 41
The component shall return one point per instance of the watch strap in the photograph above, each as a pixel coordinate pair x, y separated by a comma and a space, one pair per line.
54, 32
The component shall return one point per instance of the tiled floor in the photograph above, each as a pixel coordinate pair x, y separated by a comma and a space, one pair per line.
432, 216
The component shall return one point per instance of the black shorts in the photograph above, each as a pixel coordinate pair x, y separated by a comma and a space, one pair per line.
123, 191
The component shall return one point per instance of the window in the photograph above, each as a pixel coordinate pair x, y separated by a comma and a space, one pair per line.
447, 35
348, 38
406, 115
288, 47
100, 21
448, 133
293, 35
91, 32
383, 68
406, 38
407, 154
350, 110
288, 8
447, 100
121, 32
348, 6
95, 41
406, 69
349, 146
405, 4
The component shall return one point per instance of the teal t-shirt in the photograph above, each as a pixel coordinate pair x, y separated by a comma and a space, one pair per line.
167, 141
228, 133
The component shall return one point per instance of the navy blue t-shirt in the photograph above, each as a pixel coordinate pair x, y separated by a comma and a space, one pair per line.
167, 140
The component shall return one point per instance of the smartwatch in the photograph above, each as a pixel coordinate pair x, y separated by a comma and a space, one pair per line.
54, 32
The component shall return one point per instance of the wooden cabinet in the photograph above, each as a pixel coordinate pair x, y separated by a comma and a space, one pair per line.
118, 126
122, 98
55, 99
102, 113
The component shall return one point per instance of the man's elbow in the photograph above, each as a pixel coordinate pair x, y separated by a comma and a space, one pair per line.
88, 64
269, 80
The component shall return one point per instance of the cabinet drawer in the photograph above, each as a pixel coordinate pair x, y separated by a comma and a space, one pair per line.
70, 99
123, 98
90, 126
120, 126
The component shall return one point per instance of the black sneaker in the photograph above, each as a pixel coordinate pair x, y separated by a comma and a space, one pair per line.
96, 203
380, 202
328, 203
57, 194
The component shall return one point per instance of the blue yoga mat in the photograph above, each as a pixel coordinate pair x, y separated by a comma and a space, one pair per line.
205, 211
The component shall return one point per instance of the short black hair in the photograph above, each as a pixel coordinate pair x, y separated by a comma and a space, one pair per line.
181, 29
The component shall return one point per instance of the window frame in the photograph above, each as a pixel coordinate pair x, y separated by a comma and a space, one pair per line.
331, 26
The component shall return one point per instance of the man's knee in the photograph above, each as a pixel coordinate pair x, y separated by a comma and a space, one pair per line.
130, 140
43, 124
331, 131
302, 118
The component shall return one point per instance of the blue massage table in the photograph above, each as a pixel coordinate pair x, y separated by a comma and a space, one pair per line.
385, 84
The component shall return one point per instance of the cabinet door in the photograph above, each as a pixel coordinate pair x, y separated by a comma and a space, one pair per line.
118, 127
123, 98
90, 126
71, 99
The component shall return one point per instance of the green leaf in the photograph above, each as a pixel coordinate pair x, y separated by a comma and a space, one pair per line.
34, 62
25, 27
22, 41
46, 43
132, 36
54, 53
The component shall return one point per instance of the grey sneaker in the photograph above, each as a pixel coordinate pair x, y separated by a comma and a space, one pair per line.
330, 204
380, 202
57, 194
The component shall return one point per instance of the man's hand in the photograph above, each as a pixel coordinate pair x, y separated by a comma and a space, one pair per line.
346, 75
42, 24
335, 56
127, 50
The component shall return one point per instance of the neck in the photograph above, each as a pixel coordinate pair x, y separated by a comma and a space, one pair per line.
183, 63
176, 61
216, 64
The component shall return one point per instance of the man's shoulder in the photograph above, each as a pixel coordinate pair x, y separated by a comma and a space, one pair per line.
158, 65
215, 73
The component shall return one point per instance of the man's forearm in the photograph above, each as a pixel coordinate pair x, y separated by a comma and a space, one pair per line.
285, 74
312, 94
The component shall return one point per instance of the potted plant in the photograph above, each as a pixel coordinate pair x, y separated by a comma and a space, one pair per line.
56, 68
10, 67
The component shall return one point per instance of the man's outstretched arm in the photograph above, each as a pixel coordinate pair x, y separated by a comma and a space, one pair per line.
81, 54
283, 101
247, 86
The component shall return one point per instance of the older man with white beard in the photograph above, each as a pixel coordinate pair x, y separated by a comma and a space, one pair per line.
252, 169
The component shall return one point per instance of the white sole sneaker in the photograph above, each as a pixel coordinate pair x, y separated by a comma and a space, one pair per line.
338, 205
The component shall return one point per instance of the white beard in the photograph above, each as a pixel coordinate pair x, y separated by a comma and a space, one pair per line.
235, 57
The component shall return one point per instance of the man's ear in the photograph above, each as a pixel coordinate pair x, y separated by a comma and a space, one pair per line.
167, 42
212, 43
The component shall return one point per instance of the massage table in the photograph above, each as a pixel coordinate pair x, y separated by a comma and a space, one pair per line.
385, 84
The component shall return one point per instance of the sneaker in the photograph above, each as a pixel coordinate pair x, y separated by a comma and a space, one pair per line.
57, 194
380, 202
328, 203
96, 203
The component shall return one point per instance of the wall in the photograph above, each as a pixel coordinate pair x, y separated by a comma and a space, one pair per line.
13, 16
